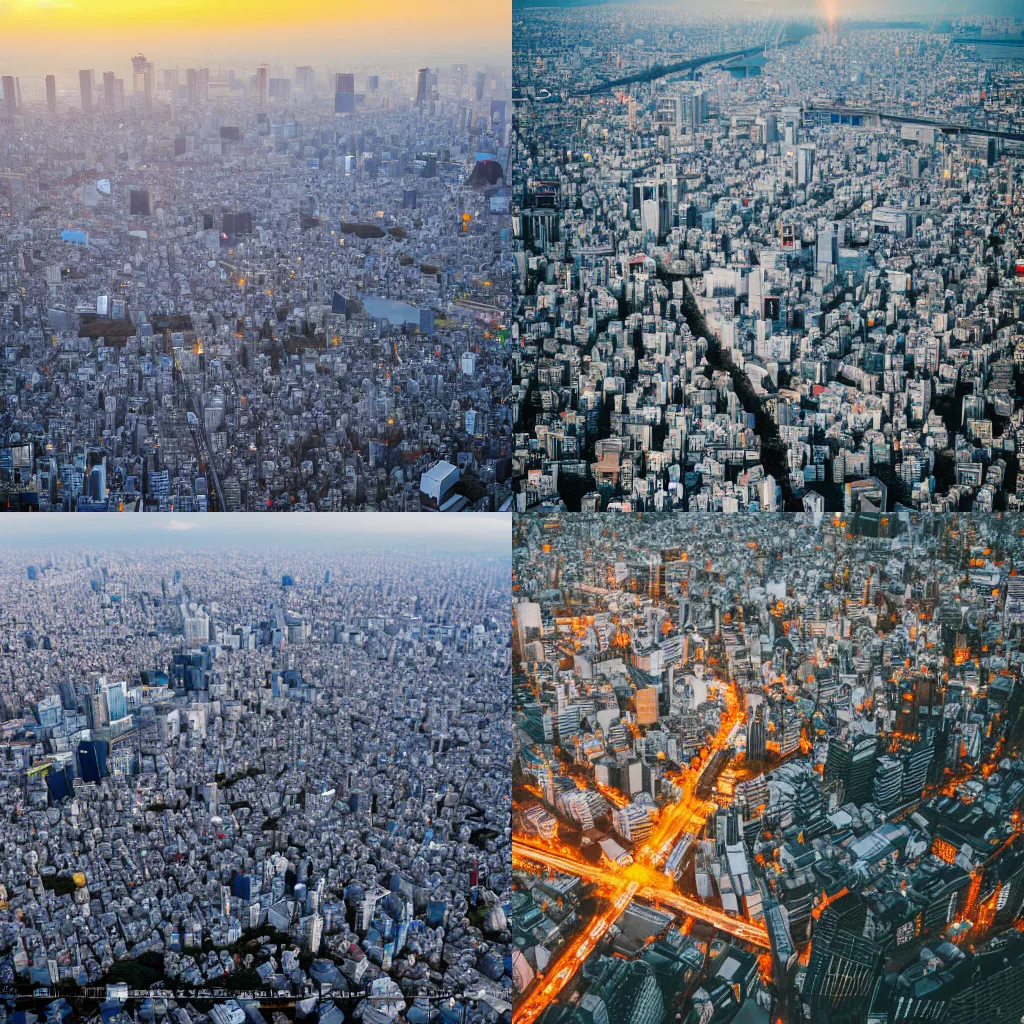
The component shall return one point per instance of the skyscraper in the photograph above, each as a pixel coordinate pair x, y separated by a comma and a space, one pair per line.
805, 162
51, 94
756, 737
422, 86
85, 87
344, 94
10, 96
108, 88
142, 80
261, 84
853, 763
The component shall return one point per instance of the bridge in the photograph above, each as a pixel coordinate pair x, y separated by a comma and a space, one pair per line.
867, 116
753, 932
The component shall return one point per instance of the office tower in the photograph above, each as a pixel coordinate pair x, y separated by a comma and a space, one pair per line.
790, 118
372, 83
651, 200
142, 80
304, 79
498, 116
697, 108
98, 482
852, 762
844, 965
92, 760
828, 245
478, 86
886, 792
204, 84
191, 87
460, 76
261, 85
10, 96
632, 823
668, 114
422, 86
805, 162
85, 88
51, 94
108, 88
344, 94
119, 93
756, 737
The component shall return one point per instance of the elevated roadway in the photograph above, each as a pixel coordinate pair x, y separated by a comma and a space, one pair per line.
753, 932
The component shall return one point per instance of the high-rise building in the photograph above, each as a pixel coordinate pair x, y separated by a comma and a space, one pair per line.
142, 80
853, 763
887, 788
10, 95
423, 86
85, 87
261, 84
344, 94
108, 88
632, 823
828, 245
805, 153
92, 760
844, 965
756, 737
51, 94
191, 87
650, 198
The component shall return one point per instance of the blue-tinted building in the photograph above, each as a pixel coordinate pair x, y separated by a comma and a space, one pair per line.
92, 760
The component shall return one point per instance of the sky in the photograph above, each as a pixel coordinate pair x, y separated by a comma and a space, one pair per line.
54, 36
484, 533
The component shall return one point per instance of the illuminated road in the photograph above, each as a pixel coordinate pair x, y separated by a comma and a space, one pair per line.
690, 814
648, 888
572, 959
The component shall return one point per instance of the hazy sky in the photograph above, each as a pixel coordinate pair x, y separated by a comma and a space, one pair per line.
485, 532
41, 36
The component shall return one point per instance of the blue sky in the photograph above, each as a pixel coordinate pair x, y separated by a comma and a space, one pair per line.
484, 532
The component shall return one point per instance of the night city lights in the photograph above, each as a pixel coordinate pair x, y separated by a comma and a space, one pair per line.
767, 769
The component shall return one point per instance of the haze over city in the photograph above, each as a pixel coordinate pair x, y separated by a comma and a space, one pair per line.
39, 37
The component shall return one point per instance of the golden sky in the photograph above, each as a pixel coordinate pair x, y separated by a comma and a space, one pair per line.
89, 33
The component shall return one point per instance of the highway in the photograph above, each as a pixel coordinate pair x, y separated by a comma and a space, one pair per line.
948, 127
650, 889
573, 958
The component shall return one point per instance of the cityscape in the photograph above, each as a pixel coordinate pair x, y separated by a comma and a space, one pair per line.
771, 261
256, 287
767, 769
256, 782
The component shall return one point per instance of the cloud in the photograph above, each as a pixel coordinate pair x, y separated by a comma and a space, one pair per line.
177, 524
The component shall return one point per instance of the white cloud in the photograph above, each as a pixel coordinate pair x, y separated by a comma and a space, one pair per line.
178, 524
